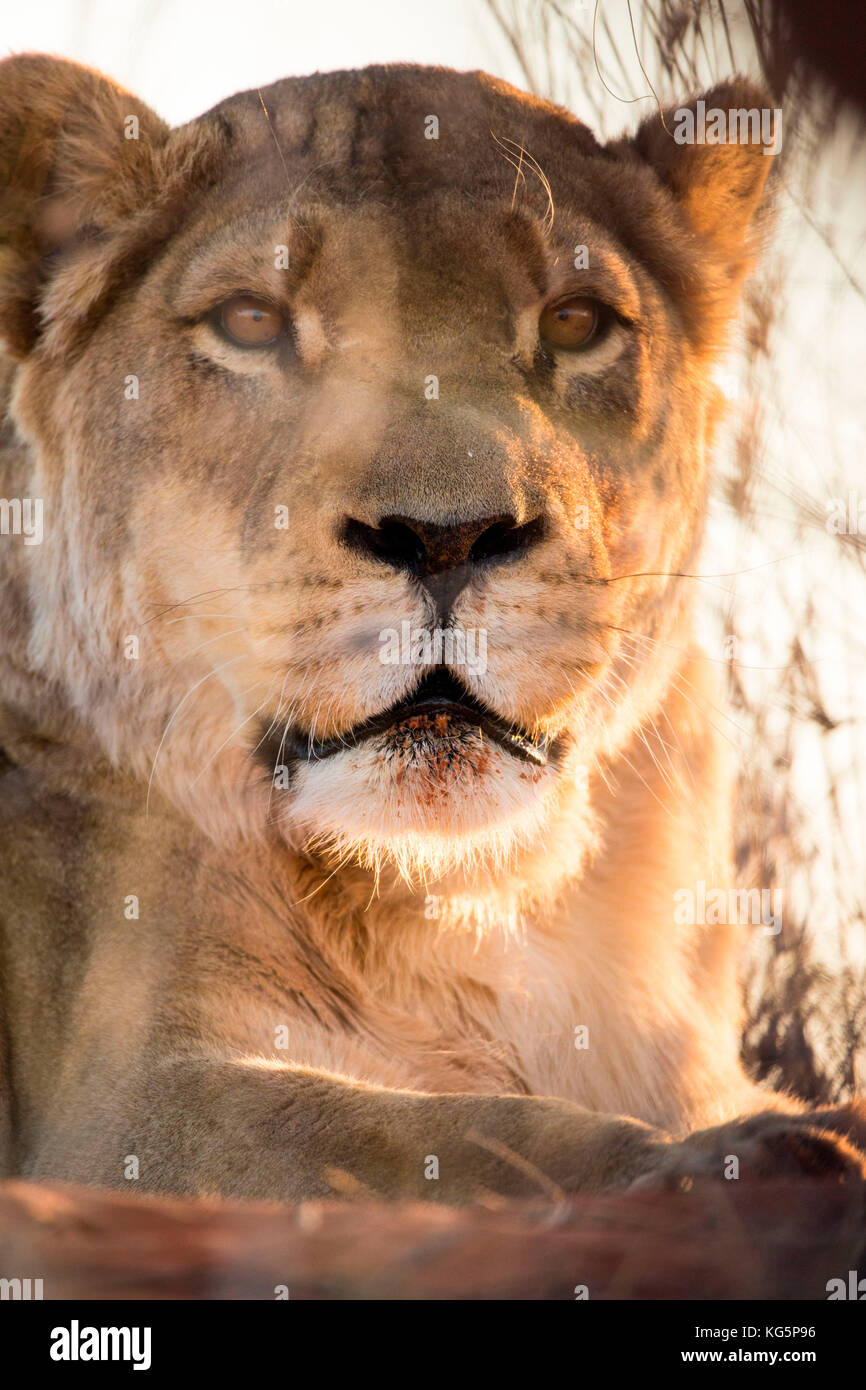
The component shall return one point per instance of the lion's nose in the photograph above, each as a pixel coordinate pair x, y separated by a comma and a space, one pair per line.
425, 549
443, 558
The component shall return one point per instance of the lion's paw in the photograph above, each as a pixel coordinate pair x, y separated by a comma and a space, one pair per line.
821, 1145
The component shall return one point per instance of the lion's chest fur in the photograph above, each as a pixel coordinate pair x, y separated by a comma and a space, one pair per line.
585, 1001
595, 999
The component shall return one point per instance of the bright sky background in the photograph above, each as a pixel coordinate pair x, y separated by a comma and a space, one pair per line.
183, 56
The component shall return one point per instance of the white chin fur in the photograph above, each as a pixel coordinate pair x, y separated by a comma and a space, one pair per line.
423, 818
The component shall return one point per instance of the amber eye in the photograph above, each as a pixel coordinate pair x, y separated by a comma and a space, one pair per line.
250, 322
572, 323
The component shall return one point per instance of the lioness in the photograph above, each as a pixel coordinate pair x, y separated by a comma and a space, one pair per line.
355, 745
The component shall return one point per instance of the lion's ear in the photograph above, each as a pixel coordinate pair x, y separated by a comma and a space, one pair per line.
78, 156
714, 154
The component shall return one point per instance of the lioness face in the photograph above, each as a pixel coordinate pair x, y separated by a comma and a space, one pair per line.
371, 446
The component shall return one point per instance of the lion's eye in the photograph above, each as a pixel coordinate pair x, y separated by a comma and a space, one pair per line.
573, 323
249, 321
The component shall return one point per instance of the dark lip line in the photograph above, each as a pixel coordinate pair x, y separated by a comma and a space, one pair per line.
461, 705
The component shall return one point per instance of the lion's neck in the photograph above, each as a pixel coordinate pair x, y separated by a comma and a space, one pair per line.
569, 975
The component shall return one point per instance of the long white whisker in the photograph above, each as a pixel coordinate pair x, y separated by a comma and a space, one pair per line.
191, 691
237, 730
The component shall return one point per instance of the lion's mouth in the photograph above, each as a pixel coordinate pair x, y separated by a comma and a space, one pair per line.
439, 710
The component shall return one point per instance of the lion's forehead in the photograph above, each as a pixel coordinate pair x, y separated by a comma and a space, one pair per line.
416, 188
401, 123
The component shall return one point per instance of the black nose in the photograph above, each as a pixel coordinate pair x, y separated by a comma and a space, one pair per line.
423, 548
442, 557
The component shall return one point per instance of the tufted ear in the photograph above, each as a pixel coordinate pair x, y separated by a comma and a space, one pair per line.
88, 175
77, 155
715, 155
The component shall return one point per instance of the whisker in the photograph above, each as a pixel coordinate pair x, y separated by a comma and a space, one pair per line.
192, 689
208, 593
680, 574
193, 617
690, 651
233, 732
540, 174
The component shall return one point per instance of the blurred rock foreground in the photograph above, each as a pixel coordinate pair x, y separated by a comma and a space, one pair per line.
764, 1240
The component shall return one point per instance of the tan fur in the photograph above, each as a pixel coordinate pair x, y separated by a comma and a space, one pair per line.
429, 931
